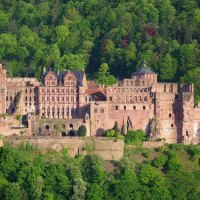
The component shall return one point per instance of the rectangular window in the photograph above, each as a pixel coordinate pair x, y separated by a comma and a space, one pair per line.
134, 107
124, 107
116, 108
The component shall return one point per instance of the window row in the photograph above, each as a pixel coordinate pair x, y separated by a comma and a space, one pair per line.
128, 98
128, 90
56, 83
101, 110
125, 108
30, 90
58, 90
60, 99
30, 98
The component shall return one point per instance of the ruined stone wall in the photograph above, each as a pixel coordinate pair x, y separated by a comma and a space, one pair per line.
10, 125
99, 117
56, 127
188, 116
130, 116
108, 149
196, 124
22, 96
168, 112
2, 90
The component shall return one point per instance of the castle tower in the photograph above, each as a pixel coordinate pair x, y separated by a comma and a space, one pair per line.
145, 73
187, 91
2, 89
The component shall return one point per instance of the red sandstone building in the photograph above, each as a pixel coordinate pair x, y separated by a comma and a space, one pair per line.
164, 110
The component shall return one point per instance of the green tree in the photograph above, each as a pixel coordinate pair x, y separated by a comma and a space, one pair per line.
82, 131
135, 136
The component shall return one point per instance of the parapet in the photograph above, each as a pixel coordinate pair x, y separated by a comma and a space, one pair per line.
187, 87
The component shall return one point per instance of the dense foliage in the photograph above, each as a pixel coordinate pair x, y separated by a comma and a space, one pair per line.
86, 33
171, 172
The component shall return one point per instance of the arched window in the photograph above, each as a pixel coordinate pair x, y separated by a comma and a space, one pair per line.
47, 127
171, 88
165, 88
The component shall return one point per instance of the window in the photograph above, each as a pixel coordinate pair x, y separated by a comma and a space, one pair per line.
26, 98
42, 98
52, 98
7, 98
172, 125
176, 96
30, 90
47, 98
110, 98
134, 107
58, 99
170, 115
124, 107
53, 90
10, 98
30, 98
165, 88
171, 88
116, 108
144, 108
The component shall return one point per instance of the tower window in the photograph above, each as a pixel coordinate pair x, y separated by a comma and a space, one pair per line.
172, 125
170, 115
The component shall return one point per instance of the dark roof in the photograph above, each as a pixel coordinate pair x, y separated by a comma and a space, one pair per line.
60, 75
144, 70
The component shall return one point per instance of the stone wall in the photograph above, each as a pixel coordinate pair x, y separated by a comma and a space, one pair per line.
56, 127
108, 149
9, 125
153, 144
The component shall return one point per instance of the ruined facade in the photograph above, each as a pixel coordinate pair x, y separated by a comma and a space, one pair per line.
163, 110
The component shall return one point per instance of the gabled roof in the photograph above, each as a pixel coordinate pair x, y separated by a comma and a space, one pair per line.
60, 76
144, 70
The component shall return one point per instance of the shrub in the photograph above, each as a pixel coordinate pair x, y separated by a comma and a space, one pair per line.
109, 133
160, 161
135, 136
82, 131
146, 153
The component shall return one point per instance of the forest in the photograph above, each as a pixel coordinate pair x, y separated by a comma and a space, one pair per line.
84, 34
169, 172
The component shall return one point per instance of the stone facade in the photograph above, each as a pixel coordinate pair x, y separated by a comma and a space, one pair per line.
163, 110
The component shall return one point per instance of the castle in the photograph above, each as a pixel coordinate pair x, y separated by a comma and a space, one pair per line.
67, 100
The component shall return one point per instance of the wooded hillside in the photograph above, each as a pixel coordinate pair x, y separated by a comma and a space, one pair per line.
83, 34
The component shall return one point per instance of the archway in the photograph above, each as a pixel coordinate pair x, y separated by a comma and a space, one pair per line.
47, 127
63, 134
71, 133
71, 126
